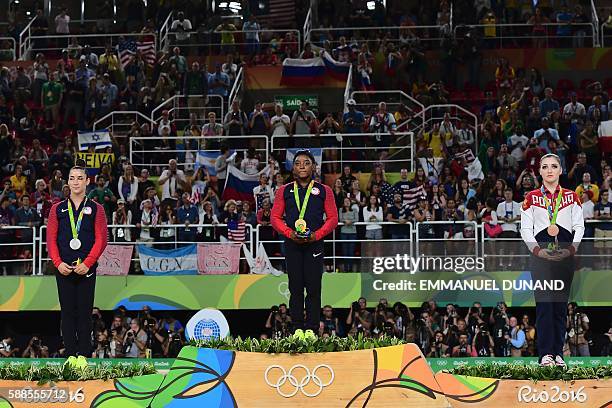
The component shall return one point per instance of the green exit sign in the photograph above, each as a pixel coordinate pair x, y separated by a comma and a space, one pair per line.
292, 102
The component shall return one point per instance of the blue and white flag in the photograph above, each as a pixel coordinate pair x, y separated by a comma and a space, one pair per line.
159, 262
317, 152
207, 159
99, 139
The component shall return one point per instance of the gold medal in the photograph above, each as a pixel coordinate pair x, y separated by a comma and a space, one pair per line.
300, 225
553, 230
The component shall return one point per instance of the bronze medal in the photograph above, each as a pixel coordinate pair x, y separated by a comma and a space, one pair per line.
553, 230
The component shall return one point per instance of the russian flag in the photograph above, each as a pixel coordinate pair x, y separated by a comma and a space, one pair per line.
604, 134
303, 72
239, 186
335, 69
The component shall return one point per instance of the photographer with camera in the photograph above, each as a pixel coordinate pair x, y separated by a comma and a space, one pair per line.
117, 333
102, 346
463, 349
135, 341
474, 318
425, 328
359, 319
169, 336
482, 342
501, 323
35, 349
577, 326
450, 318
279, 321
6, 347
438, 348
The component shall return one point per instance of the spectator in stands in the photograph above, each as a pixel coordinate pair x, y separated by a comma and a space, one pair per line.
26, 216
575, 175
219, 82
382, 123
586, 185
91, 59
51, 99
548, 104
251, 34
400, 214
349, 215
373, 214
504, 77
545, 134
195, 87
171, 181
74, 99
235, 122
122, 216
210, 130
574, 112
250, 164
181, 27
187, 214
127, 186
146, 220
109, 63
353, 120
224, 160
603, 230
303, 122
259, 122
262, 192
103, 195
62, 21
280, 124
509, 212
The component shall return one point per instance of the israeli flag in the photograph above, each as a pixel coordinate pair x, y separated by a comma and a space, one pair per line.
99, 139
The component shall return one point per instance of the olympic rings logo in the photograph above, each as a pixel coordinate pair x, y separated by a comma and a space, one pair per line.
298, 385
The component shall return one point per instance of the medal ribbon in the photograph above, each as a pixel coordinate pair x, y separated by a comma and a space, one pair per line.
302, 208
552, 215
76, 227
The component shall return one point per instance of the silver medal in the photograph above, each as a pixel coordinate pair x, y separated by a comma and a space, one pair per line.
75, 243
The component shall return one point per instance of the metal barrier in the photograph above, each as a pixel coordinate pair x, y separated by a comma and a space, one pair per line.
209, 40
237, 88
515, 34
163, 32
20, 232
98, 48
141, 147
13, 49
117, 127
307, 26
25, 42
348, 89
372, 35
454, 236
595, 20
179, 110
352, 148
42, 246
368, 249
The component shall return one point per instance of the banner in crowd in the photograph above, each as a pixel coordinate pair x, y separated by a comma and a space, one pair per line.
293, 102
605, 136
99, 139
311, 71
207, 159
219, 259
115, 260
261, 265
164, 262
95, 161
239, 186
317, 152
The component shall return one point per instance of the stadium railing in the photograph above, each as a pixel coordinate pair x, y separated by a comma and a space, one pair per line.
386, 247
513, 34
13, 49
179, 110
25, 41
187, 157
367, 101
497, 252
43, 255
237, 88
117, 124
307, 25
595, 20
211, 41
424, 34
59, 41
435, 114
348, 89
164, 31
19, 242
354, 148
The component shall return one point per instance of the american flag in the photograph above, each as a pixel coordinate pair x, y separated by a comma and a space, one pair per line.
413, 195
130, 47
236, 230
467, 154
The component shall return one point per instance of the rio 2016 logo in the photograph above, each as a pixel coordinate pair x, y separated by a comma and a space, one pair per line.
528, 394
